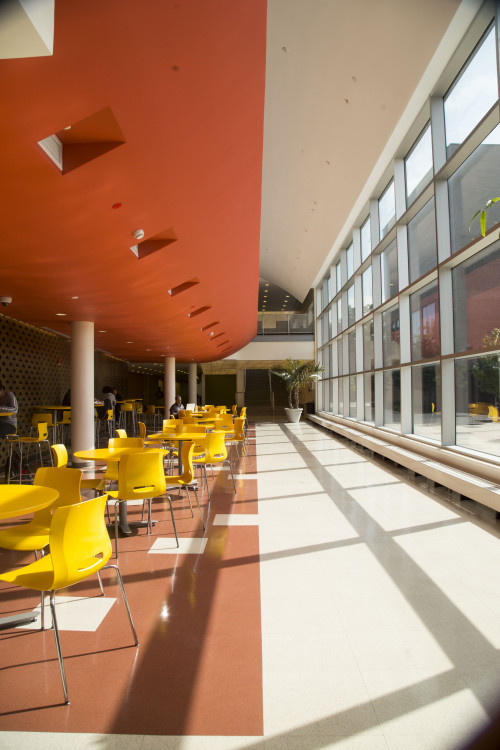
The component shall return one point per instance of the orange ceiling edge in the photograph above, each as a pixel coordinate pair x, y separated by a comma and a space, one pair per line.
166, 104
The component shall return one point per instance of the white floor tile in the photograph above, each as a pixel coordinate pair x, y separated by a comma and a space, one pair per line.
236, 519
167, 546
74, 613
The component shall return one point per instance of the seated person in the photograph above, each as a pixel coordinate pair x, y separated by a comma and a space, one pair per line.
176, 407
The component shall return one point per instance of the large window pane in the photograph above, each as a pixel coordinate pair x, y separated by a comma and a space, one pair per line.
387, 210
422, 251
351, 310
476, 299
366, 243
470, 187
390, 336
368, 362
352, 351
474, 92
426, 400
424, 308
339, 315
349, 256
418, 166
338, 277
340, 355
369, 388
352, 396
340, 382
389, 270
477, 387
392, 398
367, 285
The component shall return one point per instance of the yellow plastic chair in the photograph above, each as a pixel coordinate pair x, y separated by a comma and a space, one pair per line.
34, 535
29, 441
238, 437
493, 413
169, 424
120, 433
186, 480
128, 408
47, 418
225, 422
111, 473
140, 477
79, 546
152, 416
235, 410
215, 453
60, 455
65, 426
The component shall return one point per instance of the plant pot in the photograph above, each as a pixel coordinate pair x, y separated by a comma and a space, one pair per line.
293, 415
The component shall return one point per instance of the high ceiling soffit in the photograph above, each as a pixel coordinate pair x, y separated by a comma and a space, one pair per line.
339, 76
164, 102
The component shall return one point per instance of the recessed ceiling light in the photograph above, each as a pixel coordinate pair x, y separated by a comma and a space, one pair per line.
68, 127
148, 350
130, 342
74, 297
266, 284
62, 314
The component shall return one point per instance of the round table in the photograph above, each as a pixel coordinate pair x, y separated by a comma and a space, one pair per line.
19, 500
178, 437
110, 455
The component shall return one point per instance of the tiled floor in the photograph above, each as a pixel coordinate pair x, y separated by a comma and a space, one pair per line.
331, 604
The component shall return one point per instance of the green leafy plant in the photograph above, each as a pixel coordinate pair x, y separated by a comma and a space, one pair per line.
297, 374
482, 215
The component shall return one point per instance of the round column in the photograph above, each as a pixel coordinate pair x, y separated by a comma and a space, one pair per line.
192, 383
169, 384
82, 385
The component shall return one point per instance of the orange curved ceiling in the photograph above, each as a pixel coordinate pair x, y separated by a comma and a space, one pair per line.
165, 101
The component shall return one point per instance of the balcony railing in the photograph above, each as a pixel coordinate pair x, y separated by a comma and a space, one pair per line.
285, 324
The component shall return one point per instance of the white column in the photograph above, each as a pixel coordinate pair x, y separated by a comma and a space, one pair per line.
82, 385
192, 383
240, 387
169, 384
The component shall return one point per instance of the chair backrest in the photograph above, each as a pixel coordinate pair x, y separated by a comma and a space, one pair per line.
198, 428
142, 430
79, 541
189, 420
65, 481
127, 442
170, 423
226, 420
239, 432
39, 418
208, 406
109, 415
141, 476
42, 430
150, 409
60, 455
235, 410
215, 448
120, 432
127, 406
187, 461
243, 412
66, 417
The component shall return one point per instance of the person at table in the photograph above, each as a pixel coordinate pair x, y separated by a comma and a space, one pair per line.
8, 425
118, 407
176, 407
8, 403
109, 400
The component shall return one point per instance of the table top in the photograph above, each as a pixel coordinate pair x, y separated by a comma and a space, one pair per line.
178, 436
20, 499
52, 407
113, 454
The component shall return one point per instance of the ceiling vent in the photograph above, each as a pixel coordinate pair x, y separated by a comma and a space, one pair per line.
183, 287
218, 336
210, 325
157, 242
54, 149
199, 311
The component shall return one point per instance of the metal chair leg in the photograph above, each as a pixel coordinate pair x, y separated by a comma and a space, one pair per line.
58, 645
173, 519
100, 582
199, 507
120, 581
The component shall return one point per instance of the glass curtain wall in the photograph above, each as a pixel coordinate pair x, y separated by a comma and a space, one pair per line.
427, 325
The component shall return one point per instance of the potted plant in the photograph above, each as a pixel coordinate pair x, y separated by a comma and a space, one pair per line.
297, 374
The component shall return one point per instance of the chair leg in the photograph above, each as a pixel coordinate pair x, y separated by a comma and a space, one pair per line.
58, 645
120, 581
116, 528
198, 504
232, 475
42, 610
173, 519
100, 582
